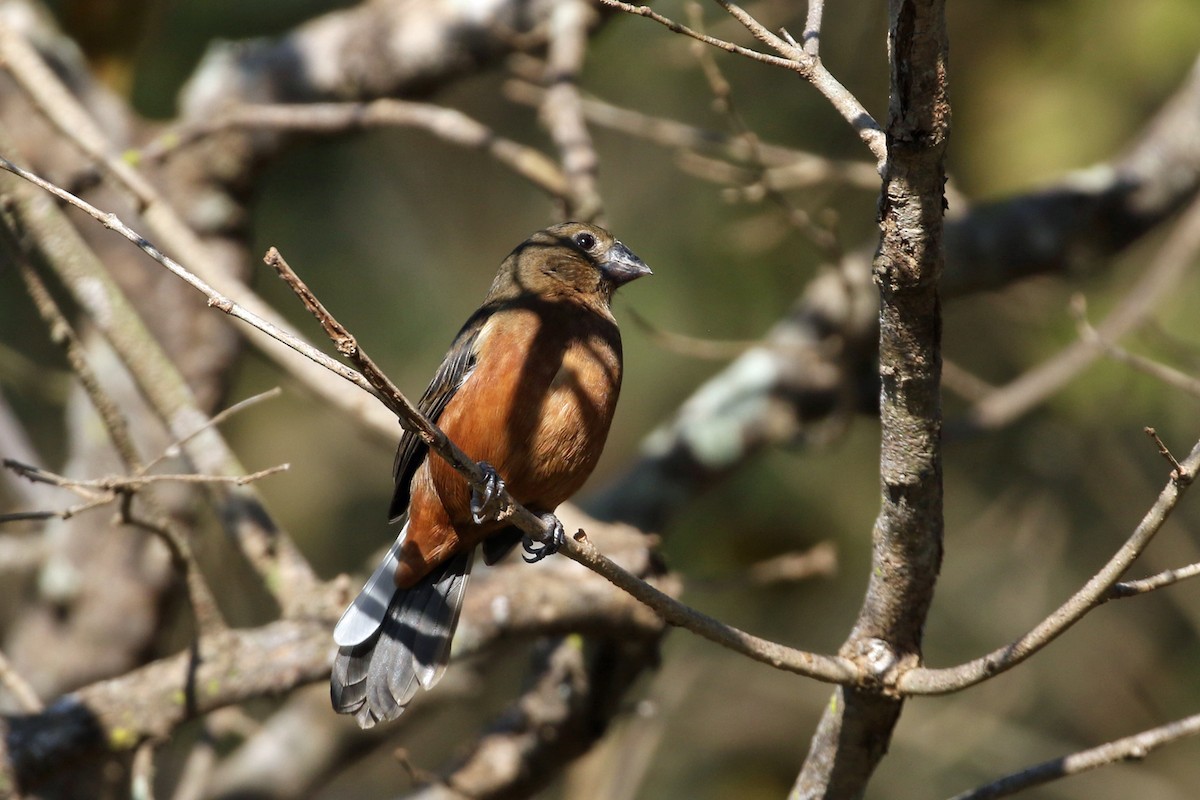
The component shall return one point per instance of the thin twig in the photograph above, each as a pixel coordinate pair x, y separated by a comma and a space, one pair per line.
562, 110
447, 124
794, 58
692, 346
371, 379
787, 168
925, 680
721, 44
172, 450
1168, 375
88, 487
1131, 748
62, 513
1157, 581
1164, 274
821, 667
830, 669
1163, 450
800, 219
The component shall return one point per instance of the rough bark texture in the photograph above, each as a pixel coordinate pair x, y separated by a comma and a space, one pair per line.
907, 541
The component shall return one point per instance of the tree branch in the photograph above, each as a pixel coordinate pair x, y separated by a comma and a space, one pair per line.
151, 701
1131, 748
447, 124
373, 380
1099, 588
792, 58
907, 538
265, 545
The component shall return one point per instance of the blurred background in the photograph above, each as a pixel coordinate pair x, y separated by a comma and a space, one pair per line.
400, 233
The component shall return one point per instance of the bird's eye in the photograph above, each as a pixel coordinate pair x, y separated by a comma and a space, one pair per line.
585, 240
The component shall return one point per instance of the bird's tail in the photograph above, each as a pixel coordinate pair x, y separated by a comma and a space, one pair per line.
376, 676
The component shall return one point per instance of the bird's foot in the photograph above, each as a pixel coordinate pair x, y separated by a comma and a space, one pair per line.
555, 537
486, 504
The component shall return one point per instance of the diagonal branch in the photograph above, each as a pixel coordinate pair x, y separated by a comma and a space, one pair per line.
1164, 274
371, 379
267, 547
447, 124
1100, 588
1130, 748
792, 58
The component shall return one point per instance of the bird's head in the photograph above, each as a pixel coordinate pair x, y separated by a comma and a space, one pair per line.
572, 260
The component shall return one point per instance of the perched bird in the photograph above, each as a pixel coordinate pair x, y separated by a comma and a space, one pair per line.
528, 389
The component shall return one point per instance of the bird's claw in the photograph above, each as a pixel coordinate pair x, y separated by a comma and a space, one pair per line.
485, 503
554, 539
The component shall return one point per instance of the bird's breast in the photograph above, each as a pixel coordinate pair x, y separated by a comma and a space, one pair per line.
539, 402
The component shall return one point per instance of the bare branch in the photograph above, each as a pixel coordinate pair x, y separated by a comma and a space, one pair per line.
1169, 265
1167, 577
787, 168
793, 58
824, 668
925, 680
1163, 450
1168, 375
329, 118
1131, 748
562, 110
266, 546
120, 484
812, 27
857, 726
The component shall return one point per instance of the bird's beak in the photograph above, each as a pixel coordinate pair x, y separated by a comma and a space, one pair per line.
621, 266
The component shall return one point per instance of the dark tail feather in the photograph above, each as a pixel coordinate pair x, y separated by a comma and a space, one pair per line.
376, 679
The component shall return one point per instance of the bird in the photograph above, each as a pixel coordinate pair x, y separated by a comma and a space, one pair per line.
527, 389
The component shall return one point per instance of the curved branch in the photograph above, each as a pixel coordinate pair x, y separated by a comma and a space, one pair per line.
1130, 748
924, 680
792, 57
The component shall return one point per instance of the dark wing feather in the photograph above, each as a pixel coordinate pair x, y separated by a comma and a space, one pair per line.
455, 367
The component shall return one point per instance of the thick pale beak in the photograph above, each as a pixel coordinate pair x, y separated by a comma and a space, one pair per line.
621, 266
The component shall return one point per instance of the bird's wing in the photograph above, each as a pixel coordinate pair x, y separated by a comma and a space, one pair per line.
448, 379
